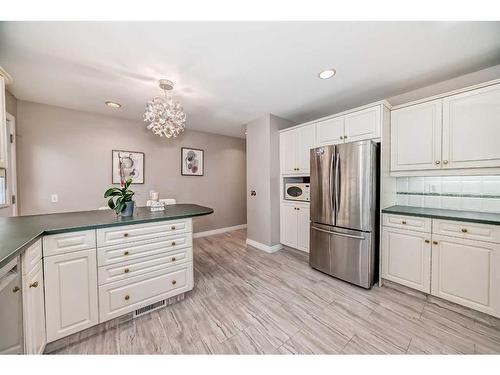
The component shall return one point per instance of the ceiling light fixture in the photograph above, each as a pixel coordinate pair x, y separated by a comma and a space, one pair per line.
165, 115
113, 104
327, 73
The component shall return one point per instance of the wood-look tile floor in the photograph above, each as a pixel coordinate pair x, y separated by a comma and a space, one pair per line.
247, 301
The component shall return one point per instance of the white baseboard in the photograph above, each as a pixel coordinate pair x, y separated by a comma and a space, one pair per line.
261, 246
218, 231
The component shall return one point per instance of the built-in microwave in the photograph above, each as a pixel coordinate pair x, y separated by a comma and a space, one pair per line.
297, 191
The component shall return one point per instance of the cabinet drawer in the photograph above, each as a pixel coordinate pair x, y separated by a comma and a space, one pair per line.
32, 256
419, 224
125, 296
137, 232
462, 229
127, 270
134, 251
68, 242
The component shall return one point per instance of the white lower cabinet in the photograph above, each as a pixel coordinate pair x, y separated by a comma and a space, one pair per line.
467, 272
406, 258
34, 311
70, 293
456, 267
294, 225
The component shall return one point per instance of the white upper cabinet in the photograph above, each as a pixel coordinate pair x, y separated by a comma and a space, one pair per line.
455, 134
362, 125
294, 149
471, 129
330, 132
416, 137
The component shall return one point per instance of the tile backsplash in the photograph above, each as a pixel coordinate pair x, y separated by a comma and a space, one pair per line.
471, 193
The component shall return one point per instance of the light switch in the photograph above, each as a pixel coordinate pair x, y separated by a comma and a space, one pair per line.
54, 198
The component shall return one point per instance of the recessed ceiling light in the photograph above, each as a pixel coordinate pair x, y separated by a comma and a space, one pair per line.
113, 104
327, 73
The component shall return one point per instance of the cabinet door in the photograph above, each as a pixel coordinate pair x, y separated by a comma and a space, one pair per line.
467, 272
330, 132
416, 137
288, 144
10, 314
306, 138
303, 228
3, 126
362, 125
406, 258
471, 129
288, 225
70, 293
34, 311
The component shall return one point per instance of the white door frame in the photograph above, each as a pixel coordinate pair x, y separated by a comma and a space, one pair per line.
12, 163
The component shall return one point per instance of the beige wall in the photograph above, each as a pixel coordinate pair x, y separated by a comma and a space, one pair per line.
67, 152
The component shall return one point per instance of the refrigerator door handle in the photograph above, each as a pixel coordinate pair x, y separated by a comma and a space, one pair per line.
338, 233
337, 182
330, 185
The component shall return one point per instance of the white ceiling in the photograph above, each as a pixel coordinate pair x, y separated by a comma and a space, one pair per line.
229, 73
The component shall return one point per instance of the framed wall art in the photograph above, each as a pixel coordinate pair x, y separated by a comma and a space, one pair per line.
127, 164
192, 162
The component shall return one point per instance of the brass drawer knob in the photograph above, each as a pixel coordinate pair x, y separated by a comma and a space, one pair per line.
126, 270
437, 162
434, 242
298, 208
427, 241
403, 222
127, 297
34, 285
173, 259
125, 234
15, 289
126, 253
464, 230
174, 282
173, 227
173, 243
445, 161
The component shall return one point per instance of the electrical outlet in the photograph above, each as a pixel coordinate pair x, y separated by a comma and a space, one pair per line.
54, 198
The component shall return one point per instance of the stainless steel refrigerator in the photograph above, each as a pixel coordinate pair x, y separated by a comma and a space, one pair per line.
344, 211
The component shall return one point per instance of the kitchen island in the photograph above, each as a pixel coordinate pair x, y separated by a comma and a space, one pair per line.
72, 272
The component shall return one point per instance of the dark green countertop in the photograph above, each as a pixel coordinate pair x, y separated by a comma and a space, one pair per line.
437, 213
16, 233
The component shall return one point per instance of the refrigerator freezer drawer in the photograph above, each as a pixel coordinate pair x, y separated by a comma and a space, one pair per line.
346, 254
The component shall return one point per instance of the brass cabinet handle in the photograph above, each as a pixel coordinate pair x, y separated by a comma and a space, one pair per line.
445, 161
298, 208
345, 136
173, 259
173, 243
427, 241
126, 253
125, 234
403, 222
341, 137
434, 242
464, 230
127, 297
173, 227
126, 270
437, 162
174, 282
34, 285
15, 289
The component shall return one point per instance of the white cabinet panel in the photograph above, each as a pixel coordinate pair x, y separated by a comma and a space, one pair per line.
419, 224
32, 256
362, 125
471, 129
11, 335
416, 137
288, 225
3, 126
406, 258
330, 132
287, 152
306, 138
303, 217
70, 293
68, 242
467, 272
472, 231
34, 311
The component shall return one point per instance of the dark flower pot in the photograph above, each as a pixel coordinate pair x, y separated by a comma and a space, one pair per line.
129, 209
